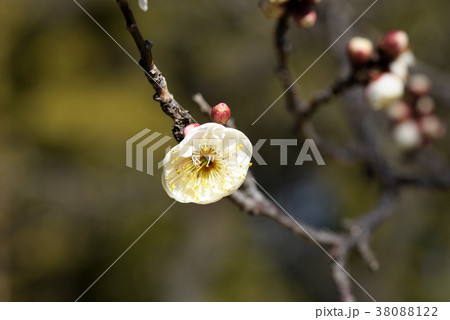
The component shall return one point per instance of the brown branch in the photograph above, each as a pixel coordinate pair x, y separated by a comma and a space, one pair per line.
203, 105
341, 279
283, 47
323, 97
162, 95
298, 109
254, 202
359, 235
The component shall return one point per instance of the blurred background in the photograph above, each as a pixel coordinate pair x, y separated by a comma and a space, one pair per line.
70, 98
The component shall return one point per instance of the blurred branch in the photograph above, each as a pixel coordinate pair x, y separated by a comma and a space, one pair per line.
162, 95
283, 47
358, 238
441, 81
298, 108
323, 97
341, 279
254, 202
204, 106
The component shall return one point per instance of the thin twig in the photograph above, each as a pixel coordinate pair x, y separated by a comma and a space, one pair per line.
283, 47
323, 97
162, 95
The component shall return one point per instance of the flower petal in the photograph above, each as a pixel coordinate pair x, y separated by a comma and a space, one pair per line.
143, 4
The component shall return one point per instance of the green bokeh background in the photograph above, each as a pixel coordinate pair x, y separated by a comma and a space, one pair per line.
70, 98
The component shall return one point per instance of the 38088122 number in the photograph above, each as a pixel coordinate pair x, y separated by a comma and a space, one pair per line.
407, 311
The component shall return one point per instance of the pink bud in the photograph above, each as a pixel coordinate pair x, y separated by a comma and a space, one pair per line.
305, 16
425, 105
189, 128
419, 85
394, 43
359, 50
432, 127
399, 111
220, 113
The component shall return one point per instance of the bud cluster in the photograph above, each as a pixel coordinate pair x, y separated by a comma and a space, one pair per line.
385, 66
302, 11
414, 122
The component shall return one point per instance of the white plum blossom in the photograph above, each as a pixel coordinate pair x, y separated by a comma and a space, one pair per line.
210, 163
432, 127
400, 66
384, 90
143, 4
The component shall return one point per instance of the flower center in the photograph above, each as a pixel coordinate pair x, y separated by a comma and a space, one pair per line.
204, 160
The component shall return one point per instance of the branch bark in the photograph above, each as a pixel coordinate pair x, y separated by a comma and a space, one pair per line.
162, 95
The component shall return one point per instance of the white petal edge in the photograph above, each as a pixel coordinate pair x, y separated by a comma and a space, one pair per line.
143, 4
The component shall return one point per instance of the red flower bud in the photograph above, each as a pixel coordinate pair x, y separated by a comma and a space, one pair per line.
305, 16
220, 113
189, 128
399, 111
432, 127
419, 85
359, 50
394, 43
425, 105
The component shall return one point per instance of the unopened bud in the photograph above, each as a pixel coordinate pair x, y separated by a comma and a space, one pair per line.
272, 8
419, 85
394, 43
384, 90
189, 128
359, 50
220, 113
305, 16
407, 135
432, 127
398, 111
425, 105
314, 2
